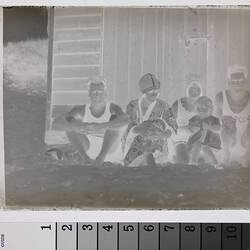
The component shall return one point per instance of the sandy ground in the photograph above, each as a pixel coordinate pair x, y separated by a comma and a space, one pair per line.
33, 180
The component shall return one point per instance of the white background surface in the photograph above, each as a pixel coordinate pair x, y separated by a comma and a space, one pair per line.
27, 236
122, 2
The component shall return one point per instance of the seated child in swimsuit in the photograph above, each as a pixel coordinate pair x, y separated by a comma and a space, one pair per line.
205, 140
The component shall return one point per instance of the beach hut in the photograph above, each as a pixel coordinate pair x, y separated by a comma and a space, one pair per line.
121, 44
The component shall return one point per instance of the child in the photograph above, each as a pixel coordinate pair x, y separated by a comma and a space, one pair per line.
205, 140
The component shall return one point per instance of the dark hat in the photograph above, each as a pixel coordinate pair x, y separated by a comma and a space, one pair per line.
148, 82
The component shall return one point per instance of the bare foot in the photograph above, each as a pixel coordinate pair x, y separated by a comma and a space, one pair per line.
149, 160
86, 160
219, 166
98, 162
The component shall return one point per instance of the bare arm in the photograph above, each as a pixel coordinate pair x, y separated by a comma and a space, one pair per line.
218, 105
169, 118
118, 119
70, 121
174, 109
154, 131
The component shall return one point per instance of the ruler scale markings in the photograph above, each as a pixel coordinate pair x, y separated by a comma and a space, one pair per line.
56, 237
241, 236
108, 236
231, 236
221, 236
159, 236
211, 236
169, 236
118, 239
190, 236
245, 236
179, 236
138, 236
66, 236
124, 236
87, 236
128, 236
201, 236
149, 236
97, 234
77, 236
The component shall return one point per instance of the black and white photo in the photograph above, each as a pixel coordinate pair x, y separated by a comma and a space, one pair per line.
108, 107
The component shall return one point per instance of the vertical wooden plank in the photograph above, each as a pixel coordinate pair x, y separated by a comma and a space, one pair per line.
149, 62
160, 15
235, 49
211, 25
202, 48
166, 70
102, 43
220, 50
49, 67
246, 39
196, 44
110, 49
174, 56
135, 52
121, 79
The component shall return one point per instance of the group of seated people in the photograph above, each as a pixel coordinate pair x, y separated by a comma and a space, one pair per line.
193, 130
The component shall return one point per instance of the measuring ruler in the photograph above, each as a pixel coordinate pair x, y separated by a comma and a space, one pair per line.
124, 236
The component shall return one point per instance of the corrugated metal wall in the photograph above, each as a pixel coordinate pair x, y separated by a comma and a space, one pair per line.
122, 44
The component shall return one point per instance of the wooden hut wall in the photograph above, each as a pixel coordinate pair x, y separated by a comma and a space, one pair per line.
177, 45
122, 44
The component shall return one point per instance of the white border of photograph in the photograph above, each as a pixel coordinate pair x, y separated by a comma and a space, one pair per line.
2, 172
141, 3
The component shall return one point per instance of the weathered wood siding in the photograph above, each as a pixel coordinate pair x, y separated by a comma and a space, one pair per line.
76, 55
122, 44
176, 45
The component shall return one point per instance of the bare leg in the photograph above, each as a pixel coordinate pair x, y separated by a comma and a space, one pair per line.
109, 141
195, 153
181, 154
226, 141
80, 142
149, 160
209, 155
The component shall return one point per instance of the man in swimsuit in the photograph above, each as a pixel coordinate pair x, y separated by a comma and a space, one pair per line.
233, 107
94, 129
150, 118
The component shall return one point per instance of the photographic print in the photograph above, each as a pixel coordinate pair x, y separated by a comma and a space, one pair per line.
143, 108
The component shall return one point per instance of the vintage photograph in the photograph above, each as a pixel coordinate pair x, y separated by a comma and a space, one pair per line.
141, 108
